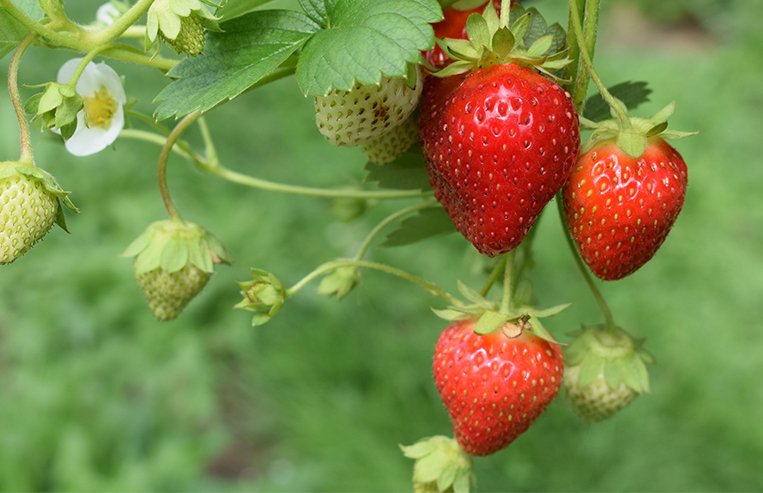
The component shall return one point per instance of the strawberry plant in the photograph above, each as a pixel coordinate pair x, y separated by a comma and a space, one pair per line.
469, 112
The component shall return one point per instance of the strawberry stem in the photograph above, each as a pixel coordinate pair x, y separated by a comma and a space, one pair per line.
13, 91
164, 156
591, 10
507, 283
366, 245
498, 269
331, 266
617, 107
609, 319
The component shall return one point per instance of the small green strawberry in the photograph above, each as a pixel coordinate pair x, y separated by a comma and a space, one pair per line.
181, 23
392, 144
605, 370
30, 203
366, 112
440, 466
173, 262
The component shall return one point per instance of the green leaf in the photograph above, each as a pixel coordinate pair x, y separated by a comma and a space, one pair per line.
365, 39
489, 322
251, 48
317, 10
11, 33
450, 314
548, 312
541, 46
477, 30
237, 8
428, 223
470, 294
540, 330
407, 172
633, 94
632, 143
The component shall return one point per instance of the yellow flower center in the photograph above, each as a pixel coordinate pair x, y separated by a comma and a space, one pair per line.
99, 108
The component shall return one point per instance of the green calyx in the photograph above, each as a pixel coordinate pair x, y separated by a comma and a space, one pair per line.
172, 244
340, 281
56, 107
440, 466
29, 171
490, 317
529, 41
614, 354
631, 134
264, 295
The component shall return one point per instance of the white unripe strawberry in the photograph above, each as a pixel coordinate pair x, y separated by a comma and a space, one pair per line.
388, 147
366, 112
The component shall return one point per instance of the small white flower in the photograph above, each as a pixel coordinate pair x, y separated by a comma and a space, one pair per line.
107, 14
102, 118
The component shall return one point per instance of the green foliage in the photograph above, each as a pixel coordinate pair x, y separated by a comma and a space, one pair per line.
362, 40
249, 49
632, 94
428, 223
11, 33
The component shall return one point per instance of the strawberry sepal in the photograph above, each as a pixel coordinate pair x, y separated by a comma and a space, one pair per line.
440, 466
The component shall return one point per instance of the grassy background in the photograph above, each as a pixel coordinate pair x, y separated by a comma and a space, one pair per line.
96, 395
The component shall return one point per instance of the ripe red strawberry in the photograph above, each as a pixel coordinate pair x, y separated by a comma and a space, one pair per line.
452, 26
620, 209
499, 141
494, 386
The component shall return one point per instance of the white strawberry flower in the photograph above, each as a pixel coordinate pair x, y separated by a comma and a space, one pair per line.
102, 117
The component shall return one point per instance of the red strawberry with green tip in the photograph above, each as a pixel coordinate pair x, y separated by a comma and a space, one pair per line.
500, 140
620, 206
494, 385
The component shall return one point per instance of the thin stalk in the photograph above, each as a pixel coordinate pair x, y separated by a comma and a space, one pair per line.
128, 54
507, 283
209, 143
494, 275
270, 186
164, 158
366, 245
576, 24
18, 107
429, 286
573, 50
89, 57
120, 25
610, 321
591, 30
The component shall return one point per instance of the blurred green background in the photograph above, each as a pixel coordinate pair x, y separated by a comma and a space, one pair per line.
97, 395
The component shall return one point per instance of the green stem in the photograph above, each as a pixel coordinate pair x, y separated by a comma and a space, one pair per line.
576, 24
270, 186
164, 156
505, 8
429, 286
507, 283
18, 107
610, 321
127, 53
134, 32
89, 57
366, 245
591, 29
498, 269
58, 38
573, 50
121, 24
209, 143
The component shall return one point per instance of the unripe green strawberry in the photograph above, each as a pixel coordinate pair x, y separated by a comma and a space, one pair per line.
605, 370
168, 293
29, 206
389, 146
173, 262
181, 23
366, 112
190, 39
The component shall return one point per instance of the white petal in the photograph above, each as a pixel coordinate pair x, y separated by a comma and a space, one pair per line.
109, 79
86, 141
67, 70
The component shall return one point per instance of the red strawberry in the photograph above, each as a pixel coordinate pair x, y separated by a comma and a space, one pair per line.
499, 141
620, 209
452, 26
494, 386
